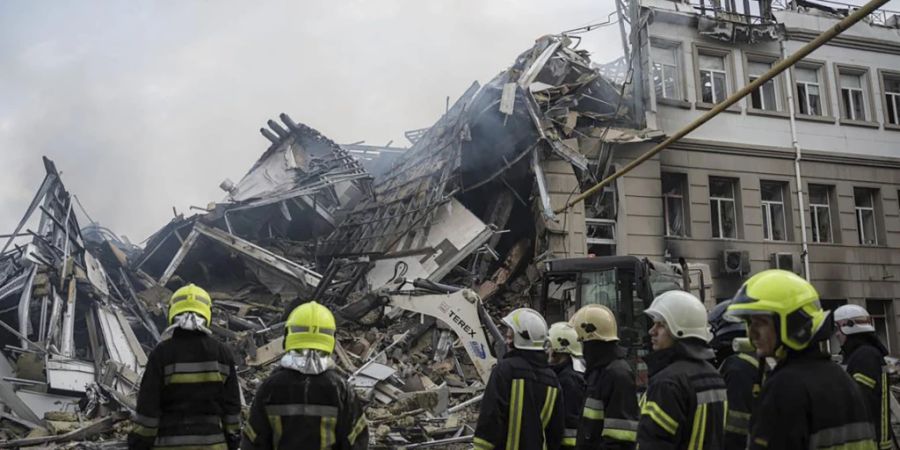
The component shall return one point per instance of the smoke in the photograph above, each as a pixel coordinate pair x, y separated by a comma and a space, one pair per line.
149, 105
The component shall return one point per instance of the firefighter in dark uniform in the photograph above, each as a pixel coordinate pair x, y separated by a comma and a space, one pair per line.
522, 407
609, 419
864, 358
565, 359
305, 403
741, 373
807, 401
685, 403
189, 397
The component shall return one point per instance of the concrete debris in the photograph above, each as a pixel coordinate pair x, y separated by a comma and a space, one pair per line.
416, 257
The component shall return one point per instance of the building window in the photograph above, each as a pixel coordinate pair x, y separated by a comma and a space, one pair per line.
713, 78
774, 223
674, 186
865, 215
766, 96
891, 98
809, 91
666, 72
852, 85
723, 211
820, 212
880, 310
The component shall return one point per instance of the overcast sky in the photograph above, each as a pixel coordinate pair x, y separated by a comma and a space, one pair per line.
148, 105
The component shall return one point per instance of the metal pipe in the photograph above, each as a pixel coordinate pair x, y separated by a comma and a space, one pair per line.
804, 254
466, 403
804, 51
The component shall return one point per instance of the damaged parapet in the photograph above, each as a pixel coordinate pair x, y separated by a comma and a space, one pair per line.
67, 329
301, 171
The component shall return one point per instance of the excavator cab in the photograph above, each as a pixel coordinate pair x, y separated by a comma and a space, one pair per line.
624, 284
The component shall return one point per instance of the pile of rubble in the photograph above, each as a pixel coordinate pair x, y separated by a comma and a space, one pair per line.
469, 205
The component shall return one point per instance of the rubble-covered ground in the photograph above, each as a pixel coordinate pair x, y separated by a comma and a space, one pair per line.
470, 204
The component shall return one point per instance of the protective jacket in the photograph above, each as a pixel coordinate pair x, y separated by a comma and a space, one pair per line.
684, 407
864, 356
293, 410
572, 383
521, 408
741, 374
189, 396
609, 419
809, 402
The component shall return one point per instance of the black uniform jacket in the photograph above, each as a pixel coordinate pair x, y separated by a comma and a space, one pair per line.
293, 410
189, 396
684, 407
572, 383
864, 356
809, 402
741, 373
521, 408
609, 419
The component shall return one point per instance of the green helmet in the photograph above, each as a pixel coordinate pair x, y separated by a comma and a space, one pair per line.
789, 298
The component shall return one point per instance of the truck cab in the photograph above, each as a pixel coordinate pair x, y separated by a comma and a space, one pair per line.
624, 284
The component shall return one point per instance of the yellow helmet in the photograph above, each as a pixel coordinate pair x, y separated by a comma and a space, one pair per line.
791, 299
595, 322
564, 339
190, 298
311, 326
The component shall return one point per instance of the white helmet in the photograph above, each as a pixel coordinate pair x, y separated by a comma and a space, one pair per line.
529, 329
853, 319
564, 339
683, 314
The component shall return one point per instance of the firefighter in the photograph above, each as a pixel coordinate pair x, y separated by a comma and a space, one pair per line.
189, 397
864, 358
609, 419
305, 403
565, 359
684, 406
741, 373
521, 407
807, 401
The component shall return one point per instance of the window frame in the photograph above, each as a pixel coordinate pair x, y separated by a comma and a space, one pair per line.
766, 207
735, 190
778, 84
813, 207
882, 74
727, 56
858, 210
821, 68
677, 48
866, 87
683, 181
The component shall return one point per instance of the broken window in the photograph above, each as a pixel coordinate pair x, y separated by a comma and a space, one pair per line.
774, 224
723, 211
666, 72
892, 99
809, 96
865, 215
880, 310
820, 212
713, 78
765, 97
853, 103
673, 189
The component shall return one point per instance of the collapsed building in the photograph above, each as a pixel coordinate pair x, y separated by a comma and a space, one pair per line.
470, 204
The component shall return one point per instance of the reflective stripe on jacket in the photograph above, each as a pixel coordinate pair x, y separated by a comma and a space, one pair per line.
521, 408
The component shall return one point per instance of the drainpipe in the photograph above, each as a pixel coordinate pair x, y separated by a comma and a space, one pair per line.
804, 254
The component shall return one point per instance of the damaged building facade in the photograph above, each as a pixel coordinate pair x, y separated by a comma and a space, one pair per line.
726, 195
